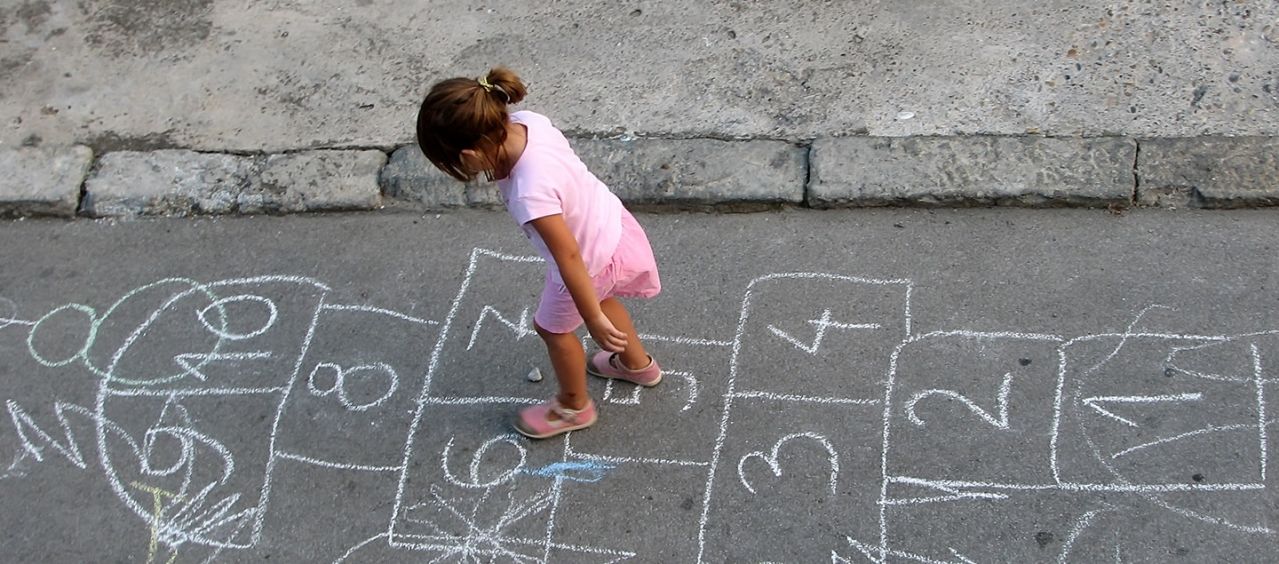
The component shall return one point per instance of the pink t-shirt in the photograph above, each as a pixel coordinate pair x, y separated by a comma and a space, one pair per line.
550, 179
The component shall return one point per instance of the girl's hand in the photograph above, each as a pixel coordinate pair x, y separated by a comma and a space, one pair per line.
605, 334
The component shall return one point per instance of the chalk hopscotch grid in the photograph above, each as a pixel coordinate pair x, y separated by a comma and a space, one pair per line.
953, 489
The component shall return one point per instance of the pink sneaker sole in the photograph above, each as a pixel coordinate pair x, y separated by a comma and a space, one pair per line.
608, 365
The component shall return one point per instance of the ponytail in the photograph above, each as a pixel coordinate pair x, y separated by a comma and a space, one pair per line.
467, 113
505, 85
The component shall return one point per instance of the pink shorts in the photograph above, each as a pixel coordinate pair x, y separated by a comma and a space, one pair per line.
632, 273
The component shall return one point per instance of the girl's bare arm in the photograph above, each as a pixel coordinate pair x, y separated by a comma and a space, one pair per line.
559, 240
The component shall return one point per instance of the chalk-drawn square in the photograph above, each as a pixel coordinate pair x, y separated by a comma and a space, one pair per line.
975, 407
308, 498
203, 459
356, 390
644, 502
924, 524
489, 342
837, 333
225, 336
808, 473
466, 459
637, 422
1159, 410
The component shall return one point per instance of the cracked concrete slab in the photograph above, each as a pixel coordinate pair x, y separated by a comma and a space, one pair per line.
241, 75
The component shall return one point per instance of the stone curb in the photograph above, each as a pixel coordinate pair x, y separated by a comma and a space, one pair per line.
1025, 171
180, 182
43, 181
697, 172
1209, 172
675, 172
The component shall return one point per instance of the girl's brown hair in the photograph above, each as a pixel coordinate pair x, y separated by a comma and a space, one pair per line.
467, 113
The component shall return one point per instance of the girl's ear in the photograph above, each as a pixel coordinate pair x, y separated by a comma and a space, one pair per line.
473, 160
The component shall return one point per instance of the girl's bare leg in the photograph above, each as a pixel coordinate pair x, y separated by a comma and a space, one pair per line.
569, 361
634, 357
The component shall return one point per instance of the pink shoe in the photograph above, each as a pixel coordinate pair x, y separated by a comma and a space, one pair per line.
534, 422
609, 365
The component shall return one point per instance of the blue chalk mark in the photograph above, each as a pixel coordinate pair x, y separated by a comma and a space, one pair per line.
590, 471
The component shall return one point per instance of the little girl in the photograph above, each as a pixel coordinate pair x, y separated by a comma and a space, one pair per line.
594, 248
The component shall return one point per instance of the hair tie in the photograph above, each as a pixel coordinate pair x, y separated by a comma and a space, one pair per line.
488, 87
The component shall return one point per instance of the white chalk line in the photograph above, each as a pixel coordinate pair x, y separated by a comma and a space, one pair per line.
520, 328
1203, 431
1001, 404
822, 323
479, 400
7, 319
477, 457
1253, 529
94, 321
1153, 497
692, 386
358, 546
723, 423
883, 453
340, 376
884, 552
69, 448
1075, 530
184, 360
985, 335
1076, 487
1123, 338
273, 314
265, 495
910, 288
337, 465
634, 398
556, 490
1169, 360
381, 311
636, 459
801, 399
953, 494
188, 392
685, 340
1261, 406
775, 466
1168, 398
508, 540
